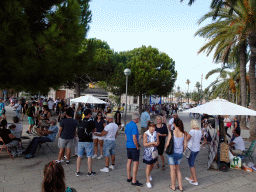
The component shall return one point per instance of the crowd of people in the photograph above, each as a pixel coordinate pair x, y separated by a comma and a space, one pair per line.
78, 128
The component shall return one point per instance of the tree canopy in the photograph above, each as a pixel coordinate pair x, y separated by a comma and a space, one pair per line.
152, 72
38, 41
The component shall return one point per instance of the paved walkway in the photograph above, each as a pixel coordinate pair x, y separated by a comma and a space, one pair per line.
22, 175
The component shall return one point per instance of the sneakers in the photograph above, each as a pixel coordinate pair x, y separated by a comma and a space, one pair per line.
29, 156
67, 162
148, 185
91, 174
100, 157
105, 169
77, 174
129, 180
112, 167
193, 183
94, 156
188, 179
137, 184
150, 178
61, 161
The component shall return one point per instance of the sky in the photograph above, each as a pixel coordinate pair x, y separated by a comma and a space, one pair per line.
167, 25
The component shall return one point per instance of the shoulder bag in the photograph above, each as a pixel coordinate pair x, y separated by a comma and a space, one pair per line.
170, 147
187, 151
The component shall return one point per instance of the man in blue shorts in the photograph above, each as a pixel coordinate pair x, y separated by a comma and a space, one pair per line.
133, 149
86, 127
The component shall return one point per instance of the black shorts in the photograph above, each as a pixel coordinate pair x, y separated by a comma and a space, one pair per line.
133, 153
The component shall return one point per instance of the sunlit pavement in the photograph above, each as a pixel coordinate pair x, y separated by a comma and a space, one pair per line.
27, 174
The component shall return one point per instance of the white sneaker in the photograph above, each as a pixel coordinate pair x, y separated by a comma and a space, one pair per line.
105, 169
150, 178
193, 183
65, 157
100, 157
94, 156
148, 185
112, 167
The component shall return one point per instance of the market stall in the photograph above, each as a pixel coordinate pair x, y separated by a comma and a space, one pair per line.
218, 146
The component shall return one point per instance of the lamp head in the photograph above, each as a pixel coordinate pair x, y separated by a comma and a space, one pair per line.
127, 72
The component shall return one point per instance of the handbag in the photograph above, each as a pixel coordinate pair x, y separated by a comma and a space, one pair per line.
229, 124
154, 154
170, 147
187, 152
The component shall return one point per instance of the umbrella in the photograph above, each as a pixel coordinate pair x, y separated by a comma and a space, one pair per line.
87, 99
221, 107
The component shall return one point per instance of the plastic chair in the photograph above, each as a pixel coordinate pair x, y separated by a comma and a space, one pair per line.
249, 152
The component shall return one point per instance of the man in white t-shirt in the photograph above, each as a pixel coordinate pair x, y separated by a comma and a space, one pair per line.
170, 125
110, 131
50, 106
238, 144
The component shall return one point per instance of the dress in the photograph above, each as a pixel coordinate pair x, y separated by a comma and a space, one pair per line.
161, 130
147, 156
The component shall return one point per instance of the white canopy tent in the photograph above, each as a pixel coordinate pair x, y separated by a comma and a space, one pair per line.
221, 107
87, 99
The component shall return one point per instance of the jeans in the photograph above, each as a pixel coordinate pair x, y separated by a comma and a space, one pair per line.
34, 143
17, 113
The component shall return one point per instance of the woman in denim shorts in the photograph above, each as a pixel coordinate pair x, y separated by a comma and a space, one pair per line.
193, 138
180, 143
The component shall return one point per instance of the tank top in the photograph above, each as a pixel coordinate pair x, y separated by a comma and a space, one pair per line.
178, 144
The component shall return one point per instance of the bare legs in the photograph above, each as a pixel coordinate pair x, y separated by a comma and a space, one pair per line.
175, 172
107, 159
135, 169
149, 168
95, 142
193, 174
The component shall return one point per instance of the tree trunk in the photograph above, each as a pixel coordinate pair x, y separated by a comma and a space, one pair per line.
242, 56
77, 89
140, 103
252, 80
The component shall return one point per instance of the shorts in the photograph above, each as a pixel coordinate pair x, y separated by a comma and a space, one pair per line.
175, 158
65, 143
143, 130
192, 158
133, 153
98, 137
151, 162
85, 146
31, 121
109, 148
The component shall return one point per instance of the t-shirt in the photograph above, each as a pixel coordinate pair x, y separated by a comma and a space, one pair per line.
171, 123
17, 107
194, 142
239, 143
99, 125
111, 128
50, 104
54, 130
68, 128
144, 118
85, 130
130, 130
4, 134
1, 106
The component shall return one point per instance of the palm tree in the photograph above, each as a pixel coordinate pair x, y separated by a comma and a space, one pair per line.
229, 39
188, 82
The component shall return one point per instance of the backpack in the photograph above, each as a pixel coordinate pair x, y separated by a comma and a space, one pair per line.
28, 111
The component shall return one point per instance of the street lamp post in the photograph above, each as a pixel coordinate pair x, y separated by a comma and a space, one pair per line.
127, 72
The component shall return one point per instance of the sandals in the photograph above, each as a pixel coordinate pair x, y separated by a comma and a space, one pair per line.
172, 188
157, 166
163, 167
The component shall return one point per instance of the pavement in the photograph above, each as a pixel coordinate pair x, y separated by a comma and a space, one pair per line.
26, 175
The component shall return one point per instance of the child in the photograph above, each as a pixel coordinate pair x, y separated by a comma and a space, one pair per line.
150, 141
